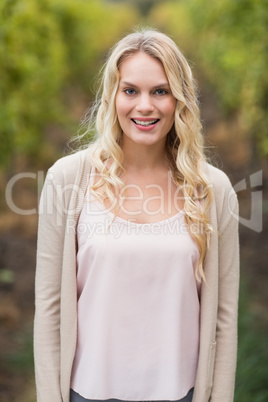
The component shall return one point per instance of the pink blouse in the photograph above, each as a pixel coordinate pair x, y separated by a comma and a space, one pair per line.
138, 308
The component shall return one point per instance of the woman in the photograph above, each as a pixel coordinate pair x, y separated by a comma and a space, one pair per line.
137, 262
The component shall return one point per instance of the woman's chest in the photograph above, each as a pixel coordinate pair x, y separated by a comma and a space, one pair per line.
148, 201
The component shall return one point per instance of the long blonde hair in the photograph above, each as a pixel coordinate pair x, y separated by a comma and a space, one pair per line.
184, 141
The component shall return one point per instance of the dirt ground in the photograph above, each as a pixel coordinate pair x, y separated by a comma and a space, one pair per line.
18, 249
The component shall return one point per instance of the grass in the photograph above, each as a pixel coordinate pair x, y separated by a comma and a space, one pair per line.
252, 365
21, 358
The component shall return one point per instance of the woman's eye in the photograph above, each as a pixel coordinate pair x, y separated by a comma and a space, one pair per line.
161, 92
129, 91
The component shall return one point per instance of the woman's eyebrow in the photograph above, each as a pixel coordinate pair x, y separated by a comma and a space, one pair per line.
130, 84
126, 83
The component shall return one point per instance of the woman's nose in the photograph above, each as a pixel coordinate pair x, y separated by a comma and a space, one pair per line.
144, 104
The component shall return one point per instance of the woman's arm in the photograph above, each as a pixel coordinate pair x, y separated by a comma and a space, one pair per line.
226, 333
51, 229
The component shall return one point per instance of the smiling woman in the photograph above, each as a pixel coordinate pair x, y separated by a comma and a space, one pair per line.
137, 260
144, 102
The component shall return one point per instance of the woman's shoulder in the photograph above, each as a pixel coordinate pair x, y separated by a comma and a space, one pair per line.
225, 197
69, 166
216, 177
71, 161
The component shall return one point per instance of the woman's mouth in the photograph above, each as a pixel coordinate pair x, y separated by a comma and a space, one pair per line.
145, 124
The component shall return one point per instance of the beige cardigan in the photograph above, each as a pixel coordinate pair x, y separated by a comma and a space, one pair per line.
55, 324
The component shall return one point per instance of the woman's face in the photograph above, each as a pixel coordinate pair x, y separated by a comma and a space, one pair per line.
144, 103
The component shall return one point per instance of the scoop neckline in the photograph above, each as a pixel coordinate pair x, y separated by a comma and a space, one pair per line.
162, 222
126, 221
129, 222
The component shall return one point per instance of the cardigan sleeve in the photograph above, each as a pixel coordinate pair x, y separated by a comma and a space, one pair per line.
226, 329
51, 228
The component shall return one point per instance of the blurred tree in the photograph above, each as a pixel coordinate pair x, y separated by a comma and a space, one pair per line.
144, 6
88, 29
47, 47
32, 71
229, 42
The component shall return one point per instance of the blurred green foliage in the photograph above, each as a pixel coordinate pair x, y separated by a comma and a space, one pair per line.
46, 47
51, 50
228, 41
251, 379
32, 70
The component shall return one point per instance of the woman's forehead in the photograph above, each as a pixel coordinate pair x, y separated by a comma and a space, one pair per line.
141, 67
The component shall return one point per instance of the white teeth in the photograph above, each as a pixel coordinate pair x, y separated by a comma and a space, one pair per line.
145, 123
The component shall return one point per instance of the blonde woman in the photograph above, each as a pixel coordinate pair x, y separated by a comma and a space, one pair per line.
138, 261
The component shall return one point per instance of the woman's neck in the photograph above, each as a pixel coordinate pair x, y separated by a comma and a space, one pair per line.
141, 157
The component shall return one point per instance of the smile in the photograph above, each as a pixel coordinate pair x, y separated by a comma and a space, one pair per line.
145, 123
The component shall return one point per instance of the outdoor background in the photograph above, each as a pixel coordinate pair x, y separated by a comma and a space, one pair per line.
50, 54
